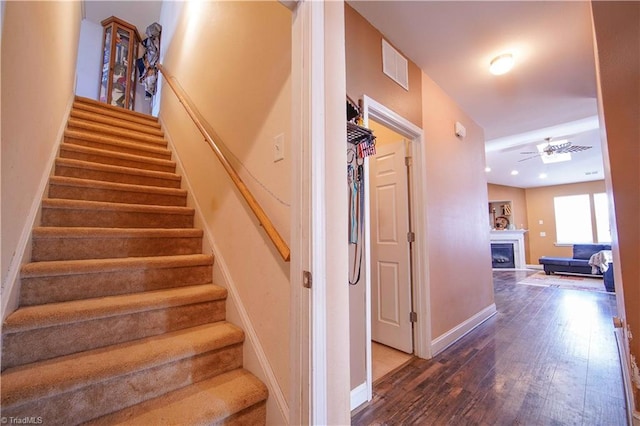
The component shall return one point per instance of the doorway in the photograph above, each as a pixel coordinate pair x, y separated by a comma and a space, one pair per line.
421, 339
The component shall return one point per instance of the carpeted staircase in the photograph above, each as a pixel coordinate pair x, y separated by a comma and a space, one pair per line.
119, 322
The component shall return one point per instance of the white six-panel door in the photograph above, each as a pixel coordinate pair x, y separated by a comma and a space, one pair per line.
390, 255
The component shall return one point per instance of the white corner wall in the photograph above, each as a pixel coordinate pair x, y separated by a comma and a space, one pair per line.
89, 67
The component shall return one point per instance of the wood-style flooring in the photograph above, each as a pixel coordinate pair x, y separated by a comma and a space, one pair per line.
549, 357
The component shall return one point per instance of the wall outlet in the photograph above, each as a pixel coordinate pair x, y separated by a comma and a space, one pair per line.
543, 234
278, 148
540, 222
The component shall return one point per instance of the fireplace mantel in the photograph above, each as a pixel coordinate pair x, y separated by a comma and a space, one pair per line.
516, 237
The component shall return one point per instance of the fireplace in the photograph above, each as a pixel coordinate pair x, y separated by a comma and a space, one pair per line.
515, 239
502, 255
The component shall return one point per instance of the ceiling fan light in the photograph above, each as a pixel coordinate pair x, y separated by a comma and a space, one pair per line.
501, 64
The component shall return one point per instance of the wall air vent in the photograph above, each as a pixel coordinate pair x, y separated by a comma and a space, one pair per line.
394, 65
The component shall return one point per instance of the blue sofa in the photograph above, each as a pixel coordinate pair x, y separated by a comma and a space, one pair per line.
579, 263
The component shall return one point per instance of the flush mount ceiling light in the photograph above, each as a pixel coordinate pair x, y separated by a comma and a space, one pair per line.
514, 172
501, 64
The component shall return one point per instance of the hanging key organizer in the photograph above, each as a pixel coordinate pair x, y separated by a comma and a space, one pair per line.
361, 145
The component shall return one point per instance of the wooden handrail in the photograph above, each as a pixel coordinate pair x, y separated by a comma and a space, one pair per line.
271, 231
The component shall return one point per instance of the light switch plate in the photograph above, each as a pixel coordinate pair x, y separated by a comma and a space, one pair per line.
278, 148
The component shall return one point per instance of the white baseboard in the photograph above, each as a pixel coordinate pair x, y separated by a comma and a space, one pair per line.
633, 417
11, 285
442, 342
252, 339
358, 395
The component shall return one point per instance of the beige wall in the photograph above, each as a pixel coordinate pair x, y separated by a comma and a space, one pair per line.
365, 77
39, 48
460, 274
518, 202
617, 36
364, 70
540, 207
233, 59
456, 226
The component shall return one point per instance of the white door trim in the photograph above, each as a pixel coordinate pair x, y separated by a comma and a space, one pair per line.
300, 405
318, 338
422, 332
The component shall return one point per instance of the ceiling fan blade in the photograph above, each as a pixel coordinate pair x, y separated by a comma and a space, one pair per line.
573, 148
558, 148
529, 152
529, 158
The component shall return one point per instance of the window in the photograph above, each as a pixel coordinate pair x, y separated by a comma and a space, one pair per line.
601, 209
573, 219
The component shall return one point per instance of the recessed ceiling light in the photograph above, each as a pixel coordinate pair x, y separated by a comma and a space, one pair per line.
542, 175
514, 172
501, 64
487, 169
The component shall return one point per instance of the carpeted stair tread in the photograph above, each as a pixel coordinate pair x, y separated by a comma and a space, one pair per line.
47, 331
64, 374
122, 116
103, 156
73, 243
58, 203
52, 314
82, 101
97, 171
88, 266
98, 118
117, 169
56, 232
114, 143
207, 402
77, 124
71, 181
93, 190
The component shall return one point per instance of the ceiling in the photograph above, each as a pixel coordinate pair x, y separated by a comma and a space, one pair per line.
551, 92
139, 13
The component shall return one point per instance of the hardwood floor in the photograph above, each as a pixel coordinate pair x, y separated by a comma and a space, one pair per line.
548, 357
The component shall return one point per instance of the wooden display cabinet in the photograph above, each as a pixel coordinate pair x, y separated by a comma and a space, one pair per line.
119, 53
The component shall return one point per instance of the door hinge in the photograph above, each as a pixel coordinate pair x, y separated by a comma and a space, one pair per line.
411, 237
407, 161
413, 317
307, 279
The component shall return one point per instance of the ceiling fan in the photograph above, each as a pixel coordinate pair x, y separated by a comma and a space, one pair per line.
562, 147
